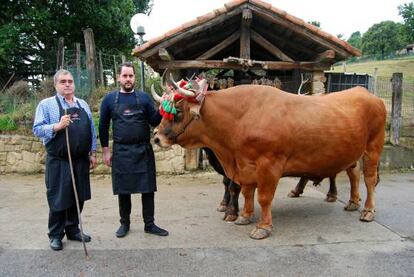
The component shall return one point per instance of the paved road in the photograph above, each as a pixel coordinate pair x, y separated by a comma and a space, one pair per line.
311, 237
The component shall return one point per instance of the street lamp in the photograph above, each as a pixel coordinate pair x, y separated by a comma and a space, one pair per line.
137, 23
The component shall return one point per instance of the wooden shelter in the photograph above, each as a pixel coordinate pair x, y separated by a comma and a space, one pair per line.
247, 36
248, 41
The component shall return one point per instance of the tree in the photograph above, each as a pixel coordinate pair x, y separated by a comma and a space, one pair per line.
30, 30
407, 13
355, 39
383, 38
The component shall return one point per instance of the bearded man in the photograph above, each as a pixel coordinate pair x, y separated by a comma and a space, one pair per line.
132, 160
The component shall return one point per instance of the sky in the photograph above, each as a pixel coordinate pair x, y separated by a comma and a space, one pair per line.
336, 16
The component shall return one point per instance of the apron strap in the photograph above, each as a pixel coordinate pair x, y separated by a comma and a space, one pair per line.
61, 112
136, 97
138, 102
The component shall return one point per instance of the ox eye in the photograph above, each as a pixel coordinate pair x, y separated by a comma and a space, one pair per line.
178, 116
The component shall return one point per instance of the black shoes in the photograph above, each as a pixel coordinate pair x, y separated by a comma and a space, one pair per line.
122, 231
155, 230
56, 244
78, 237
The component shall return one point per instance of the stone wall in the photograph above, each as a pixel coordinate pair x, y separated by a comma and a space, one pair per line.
26, 154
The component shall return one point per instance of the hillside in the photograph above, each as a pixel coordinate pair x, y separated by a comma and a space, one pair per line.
385, 68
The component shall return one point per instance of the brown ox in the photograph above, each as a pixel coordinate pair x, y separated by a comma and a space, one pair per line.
261, 134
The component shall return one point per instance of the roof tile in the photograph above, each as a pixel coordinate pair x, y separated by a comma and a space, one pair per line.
231, 5
278, 11
261, 3
206, 17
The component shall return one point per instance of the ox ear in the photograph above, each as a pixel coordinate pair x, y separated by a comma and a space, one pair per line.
195, 111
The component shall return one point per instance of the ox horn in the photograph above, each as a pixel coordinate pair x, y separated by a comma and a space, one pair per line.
180, 90
155, 95
163, 81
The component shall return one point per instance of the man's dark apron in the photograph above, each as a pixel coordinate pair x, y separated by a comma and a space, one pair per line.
58, 178
133, 162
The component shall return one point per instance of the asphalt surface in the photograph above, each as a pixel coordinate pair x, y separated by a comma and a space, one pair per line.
310, 237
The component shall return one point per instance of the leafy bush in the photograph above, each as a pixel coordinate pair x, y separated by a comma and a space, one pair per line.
7, 123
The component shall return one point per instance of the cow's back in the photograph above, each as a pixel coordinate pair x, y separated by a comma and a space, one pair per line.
310, 132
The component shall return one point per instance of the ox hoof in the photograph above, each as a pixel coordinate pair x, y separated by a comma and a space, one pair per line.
330, 198
241, 220
260, 233
230, 217
367, 215
293, 194
222, 208
351, 206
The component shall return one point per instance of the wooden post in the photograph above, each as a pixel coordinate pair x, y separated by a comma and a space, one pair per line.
101, 75
191, 159
123, 59
60, 54
374, 91
245, 34
396, 108
90, 56
318, 82
78, 64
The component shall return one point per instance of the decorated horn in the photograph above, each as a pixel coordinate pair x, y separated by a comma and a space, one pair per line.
183, 92
163, 82
155, 95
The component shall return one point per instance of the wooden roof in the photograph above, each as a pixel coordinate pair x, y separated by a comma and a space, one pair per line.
257, 34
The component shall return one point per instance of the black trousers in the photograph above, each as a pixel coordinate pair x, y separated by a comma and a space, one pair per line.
147, 200
65, 221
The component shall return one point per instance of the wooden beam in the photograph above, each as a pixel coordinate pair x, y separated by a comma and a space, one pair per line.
268, 65
190, 32
229, 40
245, 34
275, 51
299, 30
165, 55
326, 56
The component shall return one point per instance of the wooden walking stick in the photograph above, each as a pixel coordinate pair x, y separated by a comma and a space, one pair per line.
75, 191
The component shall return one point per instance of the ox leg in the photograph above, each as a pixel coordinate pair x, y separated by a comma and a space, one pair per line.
226, 197
267, 181
354, 175
233, 207
371, 161
298, 190
246, 215
332, 194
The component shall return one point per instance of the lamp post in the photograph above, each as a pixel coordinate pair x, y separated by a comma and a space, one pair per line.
137, 26
141, 33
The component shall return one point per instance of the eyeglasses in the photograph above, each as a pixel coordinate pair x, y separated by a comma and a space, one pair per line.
62, 82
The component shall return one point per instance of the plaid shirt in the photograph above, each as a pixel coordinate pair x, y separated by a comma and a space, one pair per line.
47, 115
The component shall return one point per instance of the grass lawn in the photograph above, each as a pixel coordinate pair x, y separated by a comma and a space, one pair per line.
385, 68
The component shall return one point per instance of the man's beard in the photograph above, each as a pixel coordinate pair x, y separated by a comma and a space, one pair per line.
128, 87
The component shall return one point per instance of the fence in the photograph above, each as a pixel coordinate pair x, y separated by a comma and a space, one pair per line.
398, 97
383, 87
105, 69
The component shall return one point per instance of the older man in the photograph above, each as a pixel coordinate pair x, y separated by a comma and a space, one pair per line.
53, 116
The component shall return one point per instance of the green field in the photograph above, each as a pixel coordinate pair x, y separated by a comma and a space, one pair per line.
385, 68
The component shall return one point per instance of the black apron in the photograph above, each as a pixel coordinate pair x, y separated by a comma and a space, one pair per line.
133, 161
58, 178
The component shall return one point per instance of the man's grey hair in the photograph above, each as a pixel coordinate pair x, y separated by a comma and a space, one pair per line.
61, 72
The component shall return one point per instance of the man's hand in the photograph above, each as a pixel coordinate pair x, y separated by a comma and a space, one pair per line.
107, 157
93, 161
63, 123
